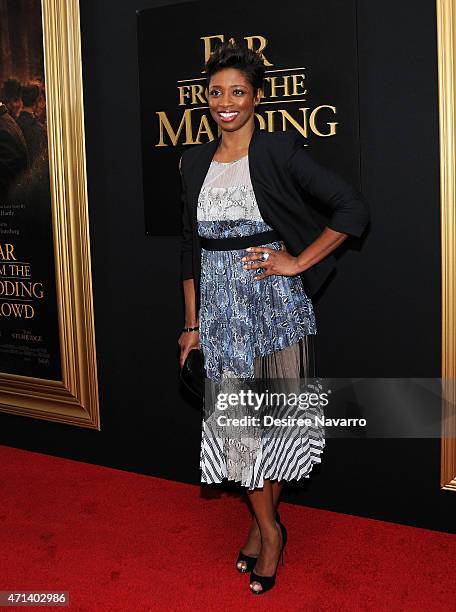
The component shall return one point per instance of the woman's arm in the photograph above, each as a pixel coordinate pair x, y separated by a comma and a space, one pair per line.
350, 216
186, 242
187, 258
187, 340
350, 209
322, 246
281, 262
191, 318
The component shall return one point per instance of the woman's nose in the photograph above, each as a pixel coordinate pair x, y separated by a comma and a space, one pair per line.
225, 99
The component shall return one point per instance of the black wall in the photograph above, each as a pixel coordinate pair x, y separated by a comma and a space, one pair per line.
380, 316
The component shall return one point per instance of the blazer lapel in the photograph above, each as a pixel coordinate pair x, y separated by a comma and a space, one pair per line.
253, 149
199, 171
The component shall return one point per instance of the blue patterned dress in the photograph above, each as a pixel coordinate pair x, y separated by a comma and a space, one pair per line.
245, 325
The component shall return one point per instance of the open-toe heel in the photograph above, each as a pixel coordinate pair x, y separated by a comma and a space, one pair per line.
249, 563
267, 582
247, 559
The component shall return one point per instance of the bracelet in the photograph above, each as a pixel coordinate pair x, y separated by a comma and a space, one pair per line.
189, 329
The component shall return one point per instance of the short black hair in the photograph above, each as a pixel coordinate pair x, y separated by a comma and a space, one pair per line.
11, 89
239, 56
30, 93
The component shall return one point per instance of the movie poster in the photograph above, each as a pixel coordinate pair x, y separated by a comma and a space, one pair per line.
29, 332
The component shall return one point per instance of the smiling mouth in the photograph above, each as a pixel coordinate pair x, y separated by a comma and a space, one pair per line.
228, 116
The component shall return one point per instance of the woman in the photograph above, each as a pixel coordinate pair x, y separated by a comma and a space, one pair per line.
247, 237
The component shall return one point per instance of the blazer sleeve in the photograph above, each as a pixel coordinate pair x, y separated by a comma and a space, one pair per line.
350, 208
186, 240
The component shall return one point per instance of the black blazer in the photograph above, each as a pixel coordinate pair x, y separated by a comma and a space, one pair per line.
283, 175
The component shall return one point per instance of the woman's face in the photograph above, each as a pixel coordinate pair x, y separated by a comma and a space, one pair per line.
231, 99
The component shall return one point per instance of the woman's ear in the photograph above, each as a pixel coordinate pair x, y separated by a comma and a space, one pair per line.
258, 97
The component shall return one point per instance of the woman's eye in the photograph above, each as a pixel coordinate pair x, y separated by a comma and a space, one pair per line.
216, 92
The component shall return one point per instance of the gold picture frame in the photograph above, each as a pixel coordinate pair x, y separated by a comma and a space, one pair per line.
74, 399
446, 53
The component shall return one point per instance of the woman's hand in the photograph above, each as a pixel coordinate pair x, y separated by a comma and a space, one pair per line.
187, 341
278, 262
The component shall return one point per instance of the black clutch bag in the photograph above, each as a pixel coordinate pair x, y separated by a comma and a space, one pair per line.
192, 373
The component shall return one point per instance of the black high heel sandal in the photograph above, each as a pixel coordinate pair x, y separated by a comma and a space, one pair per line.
267, 582
249, 563
248, 560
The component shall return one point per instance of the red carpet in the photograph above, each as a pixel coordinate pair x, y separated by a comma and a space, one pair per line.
122, 541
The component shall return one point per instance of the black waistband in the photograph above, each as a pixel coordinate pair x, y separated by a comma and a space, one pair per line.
238, 242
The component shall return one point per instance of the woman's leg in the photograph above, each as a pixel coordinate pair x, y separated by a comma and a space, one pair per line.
271, 538
284, 363
276, 491
252, 545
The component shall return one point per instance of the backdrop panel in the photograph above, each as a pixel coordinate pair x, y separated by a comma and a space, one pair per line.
310, 85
